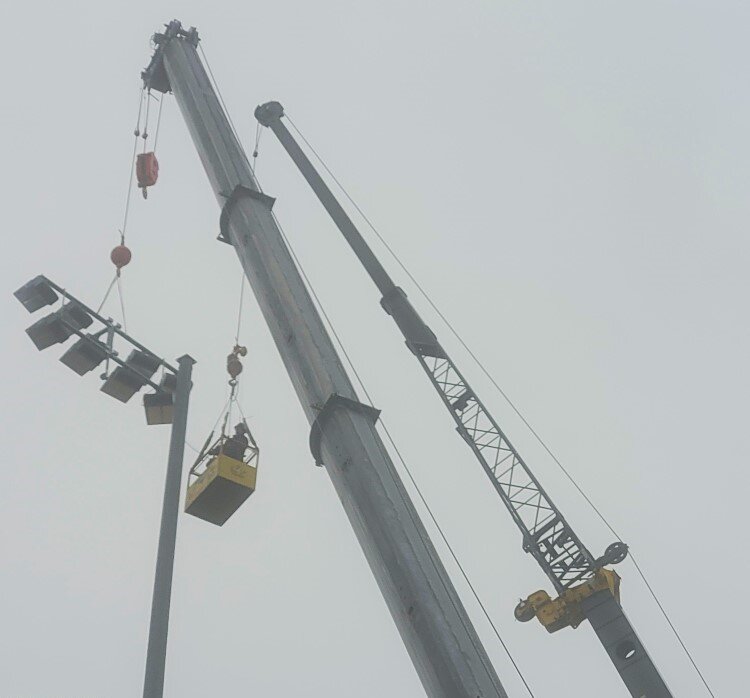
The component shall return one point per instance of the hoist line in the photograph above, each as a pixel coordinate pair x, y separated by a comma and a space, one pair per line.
222, 102
515, 409
239, 311
136, 133
233, 393
258, 132
144, 135
128, 197
432, 516
158, 123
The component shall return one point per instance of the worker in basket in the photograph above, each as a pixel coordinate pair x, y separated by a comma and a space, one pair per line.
234, 446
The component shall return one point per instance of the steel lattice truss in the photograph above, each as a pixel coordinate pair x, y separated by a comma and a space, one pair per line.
547, 536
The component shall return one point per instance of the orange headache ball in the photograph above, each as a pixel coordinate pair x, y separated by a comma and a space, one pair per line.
120, 256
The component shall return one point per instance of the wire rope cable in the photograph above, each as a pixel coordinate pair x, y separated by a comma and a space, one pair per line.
158, 123
671, 625
432, 516
118, 278
453, 331
258, 134
239, 310
136, 134
106, 295
223, 104
502, 392
128, 197
144, 135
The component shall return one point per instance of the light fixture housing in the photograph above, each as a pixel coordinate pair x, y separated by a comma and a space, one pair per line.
36, 294
85, 355
159, 407
126, 381
57, 327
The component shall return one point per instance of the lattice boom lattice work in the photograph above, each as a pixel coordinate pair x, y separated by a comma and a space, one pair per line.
547, 536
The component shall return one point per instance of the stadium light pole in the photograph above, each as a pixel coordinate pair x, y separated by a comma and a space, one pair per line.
167, 405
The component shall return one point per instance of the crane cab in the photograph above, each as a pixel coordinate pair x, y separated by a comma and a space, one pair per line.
220, 481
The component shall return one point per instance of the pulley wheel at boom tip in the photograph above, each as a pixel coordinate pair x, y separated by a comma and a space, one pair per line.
524, 611
614, 554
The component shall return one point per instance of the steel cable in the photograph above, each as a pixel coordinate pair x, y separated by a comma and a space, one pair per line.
432, 516
515, 409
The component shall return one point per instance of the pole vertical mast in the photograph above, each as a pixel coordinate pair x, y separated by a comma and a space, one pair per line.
153, 683
444, 647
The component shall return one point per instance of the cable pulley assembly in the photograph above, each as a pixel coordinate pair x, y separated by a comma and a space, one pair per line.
234, 365
146, 164
146, 171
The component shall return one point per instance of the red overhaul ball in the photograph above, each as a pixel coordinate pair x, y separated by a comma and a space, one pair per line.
120, 256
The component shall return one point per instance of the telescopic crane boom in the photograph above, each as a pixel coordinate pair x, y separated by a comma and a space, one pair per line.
585, 588
444, 647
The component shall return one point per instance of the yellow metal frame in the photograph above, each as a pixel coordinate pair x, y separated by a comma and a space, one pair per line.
565, 610
224, 467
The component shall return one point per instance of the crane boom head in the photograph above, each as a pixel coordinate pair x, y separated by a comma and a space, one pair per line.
154, 75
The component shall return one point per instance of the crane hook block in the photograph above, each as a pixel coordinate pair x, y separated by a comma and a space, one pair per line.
146, 170
234, 365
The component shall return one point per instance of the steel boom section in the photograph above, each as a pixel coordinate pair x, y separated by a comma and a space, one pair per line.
546, 534
443, 645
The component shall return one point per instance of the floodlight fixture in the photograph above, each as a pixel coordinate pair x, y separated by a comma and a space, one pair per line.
125, 381
159, 406
85, 355
57, 327
36, 293
167, 405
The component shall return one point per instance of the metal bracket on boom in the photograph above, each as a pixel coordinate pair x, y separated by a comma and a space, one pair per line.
333, 403
239, 191
419, 337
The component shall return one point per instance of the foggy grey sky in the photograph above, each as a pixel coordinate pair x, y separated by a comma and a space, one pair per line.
569, 182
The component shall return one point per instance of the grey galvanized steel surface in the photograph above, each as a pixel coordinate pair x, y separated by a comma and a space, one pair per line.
446, 651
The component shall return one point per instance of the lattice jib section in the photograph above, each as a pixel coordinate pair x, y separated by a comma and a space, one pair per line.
547, 536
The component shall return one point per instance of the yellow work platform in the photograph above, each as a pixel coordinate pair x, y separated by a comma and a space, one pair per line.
220, 489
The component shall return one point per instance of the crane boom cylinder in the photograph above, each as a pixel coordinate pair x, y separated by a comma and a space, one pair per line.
444, 647
546, 533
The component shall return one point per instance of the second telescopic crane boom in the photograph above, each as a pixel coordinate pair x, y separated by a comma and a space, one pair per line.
585, 588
